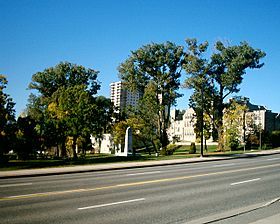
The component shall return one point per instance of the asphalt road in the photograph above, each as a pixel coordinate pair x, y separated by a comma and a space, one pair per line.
233, 191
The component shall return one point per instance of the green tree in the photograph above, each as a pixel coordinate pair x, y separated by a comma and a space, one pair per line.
65, 103
146, 116
119, 130
228, 65
104, 111
160, 63
7, 118
27, 142
275, 138
197, 69
222, 74
233, 120
147, 112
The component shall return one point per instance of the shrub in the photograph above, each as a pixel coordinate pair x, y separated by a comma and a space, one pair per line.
168, 150
4, 159
275, 138
192, 148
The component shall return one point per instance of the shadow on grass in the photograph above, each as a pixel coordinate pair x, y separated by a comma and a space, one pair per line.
45, 163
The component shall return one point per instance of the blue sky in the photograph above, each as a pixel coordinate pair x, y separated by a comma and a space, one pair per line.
99, 34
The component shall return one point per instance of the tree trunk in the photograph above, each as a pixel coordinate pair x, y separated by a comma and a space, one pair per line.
74, 147
154, 146
220, 127
221, 144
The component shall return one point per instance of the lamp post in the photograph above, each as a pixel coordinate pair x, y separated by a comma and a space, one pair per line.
260, 127
201, 127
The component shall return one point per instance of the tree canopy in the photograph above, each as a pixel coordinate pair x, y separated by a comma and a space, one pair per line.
7, 117
66, 104
160, 63
219, 76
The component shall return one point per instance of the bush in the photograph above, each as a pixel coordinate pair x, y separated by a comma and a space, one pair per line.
4, 159
169, 150
192, 148
275, 138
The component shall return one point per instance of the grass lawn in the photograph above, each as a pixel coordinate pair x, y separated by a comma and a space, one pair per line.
180, 153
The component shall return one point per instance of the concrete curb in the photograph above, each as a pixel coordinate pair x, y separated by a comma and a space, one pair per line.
125, 165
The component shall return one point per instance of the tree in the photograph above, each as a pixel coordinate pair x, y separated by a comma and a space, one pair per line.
66, 102
7, 118
27, 142
74, 107
228, 65
142, 119
104, 111
223, 73
147, 111
197, 69
160, 63
234, 123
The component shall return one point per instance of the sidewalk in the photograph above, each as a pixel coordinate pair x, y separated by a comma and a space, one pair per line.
124, 165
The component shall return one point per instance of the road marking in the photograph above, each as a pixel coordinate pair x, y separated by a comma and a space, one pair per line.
144, 173
133, 183
224, 165
16, 185
271, 202
245, 181
110, 204
273, 159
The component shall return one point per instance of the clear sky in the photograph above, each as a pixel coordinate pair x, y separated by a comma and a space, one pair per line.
99, 34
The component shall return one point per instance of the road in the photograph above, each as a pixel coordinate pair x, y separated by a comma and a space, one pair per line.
233, 191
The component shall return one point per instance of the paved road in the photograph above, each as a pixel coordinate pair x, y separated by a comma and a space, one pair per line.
185, 193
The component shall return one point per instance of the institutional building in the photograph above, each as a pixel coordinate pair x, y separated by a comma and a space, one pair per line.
182, 125
121, 97
256, 118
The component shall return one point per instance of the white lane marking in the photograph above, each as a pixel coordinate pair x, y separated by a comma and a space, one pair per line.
271, 202
245, 181
110, 204
273, 159
144, 173
223, 165
15, 185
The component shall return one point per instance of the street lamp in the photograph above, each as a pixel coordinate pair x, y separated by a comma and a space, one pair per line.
202, 121
260, 127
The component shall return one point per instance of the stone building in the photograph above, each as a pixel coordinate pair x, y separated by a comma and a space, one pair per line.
263, 118
182, 125
256, 118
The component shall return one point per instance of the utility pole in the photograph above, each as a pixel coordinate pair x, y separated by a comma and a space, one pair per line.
201, 127
260, 124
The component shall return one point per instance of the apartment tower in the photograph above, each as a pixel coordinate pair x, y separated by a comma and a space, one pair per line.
121, 97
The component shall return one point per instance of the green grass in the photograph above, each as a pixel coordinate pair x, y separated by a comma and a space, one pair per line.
180, 153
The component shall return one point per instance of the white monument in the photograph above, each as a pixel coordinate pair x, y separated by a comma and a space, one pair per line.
127, 150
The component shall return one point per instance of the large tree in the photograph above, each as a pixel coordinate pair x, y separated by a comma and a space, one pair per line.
223, 73
65, 101
228, 66
160, 63
104, 111
197, 67
27, 143
7, 117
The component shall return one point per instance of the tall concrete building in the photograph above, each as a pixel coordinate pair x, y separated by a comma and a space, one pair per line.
121, 97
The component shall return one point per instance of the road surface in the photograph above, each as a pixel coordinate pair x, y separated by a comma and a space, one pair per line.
243, 190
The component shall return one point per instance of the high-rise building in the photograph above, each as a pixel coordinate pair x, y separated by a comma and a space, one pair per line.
121, 97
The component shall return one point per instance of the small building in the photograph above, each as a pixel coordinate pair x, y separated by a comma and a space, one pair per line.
106, 144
